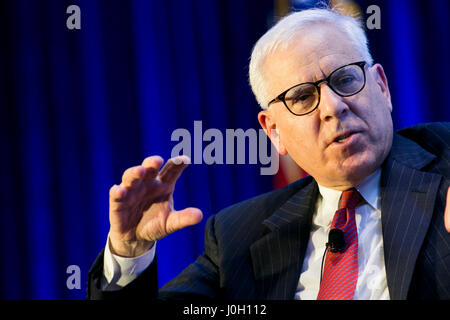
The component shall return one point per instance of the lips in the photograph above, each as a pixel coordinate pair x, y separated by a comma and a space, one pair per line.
342, 137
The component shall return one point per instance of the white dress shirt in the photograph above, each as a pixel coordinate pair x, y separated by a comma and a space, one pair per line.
119, 271
371, 285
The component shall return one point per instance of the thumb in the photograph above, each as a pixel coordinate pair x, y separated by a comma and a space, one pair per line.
447, 212
183, 218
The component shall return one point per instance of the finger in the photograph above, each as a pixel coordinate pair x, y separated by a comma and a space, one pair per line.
180, 219
117, 193
173, 169
181, 160
447, 212
152, 165
132, 176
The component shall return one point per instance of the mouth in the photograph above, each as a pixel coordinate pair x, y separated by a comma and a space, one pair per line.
343, 138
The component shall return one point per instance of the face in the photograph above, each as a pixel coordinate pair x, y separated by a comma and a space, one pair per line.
346, 138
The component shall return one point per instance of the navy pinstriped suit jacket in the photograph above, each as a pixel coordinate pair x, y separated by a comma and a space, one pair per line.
255, 249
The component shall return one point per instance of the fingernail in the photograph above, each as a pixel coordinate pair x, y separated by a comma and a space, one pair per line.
183, 159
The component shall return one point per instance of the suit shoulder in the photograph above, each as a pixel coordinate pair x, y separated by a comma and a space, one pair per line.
433, 137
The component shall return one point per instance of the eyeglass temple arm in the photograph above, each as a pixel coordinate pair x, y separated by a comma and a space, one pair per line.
277, 99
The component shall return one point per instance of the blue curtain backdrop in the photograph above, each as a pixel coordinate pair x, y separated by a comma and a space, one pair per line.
78, 107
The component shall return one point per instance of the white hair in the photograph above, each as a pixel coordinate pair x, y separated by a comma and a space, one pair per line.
285, 31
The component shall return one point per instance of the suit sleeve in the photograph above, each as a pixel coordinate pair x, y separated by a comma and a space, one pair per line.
144, 286
200, 280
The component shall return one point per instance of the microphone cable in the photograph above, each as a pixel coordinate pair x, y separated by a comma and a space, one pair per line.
336, 243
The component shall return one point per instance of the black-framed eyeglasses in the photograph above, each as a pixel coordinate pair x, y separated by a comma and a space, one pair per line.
304, 98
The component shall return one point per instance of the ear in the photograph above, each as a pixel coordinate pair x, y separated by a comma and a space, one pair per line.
381, 80
268, 123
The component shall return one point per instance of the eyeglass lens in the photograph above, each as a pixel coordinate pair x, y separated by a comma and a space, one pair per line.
345, 81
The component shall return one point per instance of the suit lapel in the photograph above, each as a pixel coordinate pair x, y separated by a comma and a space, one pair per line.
278, 256
407, 204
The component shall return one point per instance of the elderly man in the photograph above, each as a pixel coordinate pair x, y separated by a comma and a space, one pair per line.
367, 224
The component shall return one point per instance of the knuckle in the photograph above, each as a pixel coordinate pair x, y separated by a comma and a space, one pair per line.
152, 161
125, 174
132, 173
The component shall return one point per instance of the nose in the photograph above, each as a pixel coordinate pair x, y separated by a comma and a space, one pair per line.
331, 104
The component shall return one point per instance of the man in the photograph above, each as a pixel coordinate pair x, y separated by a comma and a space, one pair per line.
328, 106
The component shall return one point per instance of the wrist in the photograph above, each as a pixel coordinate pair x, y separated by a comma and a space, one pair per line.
129, 249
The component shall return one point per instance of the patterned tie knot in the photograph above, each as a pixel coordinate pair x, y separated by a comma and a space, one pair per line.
350, 199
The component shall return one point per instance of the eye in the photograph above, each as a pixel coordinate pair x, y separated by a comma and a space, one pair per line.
303, 94
302, 98
344, 80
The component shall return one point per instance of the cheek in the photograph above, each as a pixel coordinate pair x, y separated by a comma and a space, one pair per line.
380, 123
379, 105
373, 109
301, 140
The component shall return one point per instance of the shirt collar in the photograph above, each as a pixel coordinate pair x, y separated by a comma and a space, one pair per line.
369, 189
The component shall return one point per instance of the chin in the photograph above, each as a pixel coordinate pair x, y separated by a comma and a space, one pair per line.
358, 167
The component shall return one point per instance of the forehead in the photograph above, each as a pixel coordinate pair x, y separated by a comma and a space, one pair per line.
311, 55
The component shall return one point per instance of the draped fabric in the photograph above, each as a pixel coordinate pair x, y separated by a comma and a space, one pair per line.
78, 107
413, 45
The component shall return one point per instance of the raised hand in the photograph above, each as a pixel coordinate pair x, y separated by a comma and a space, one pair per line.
141, 208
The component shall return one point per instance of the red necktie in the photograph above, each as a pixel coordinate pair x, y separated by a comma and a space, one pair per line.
341, 268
